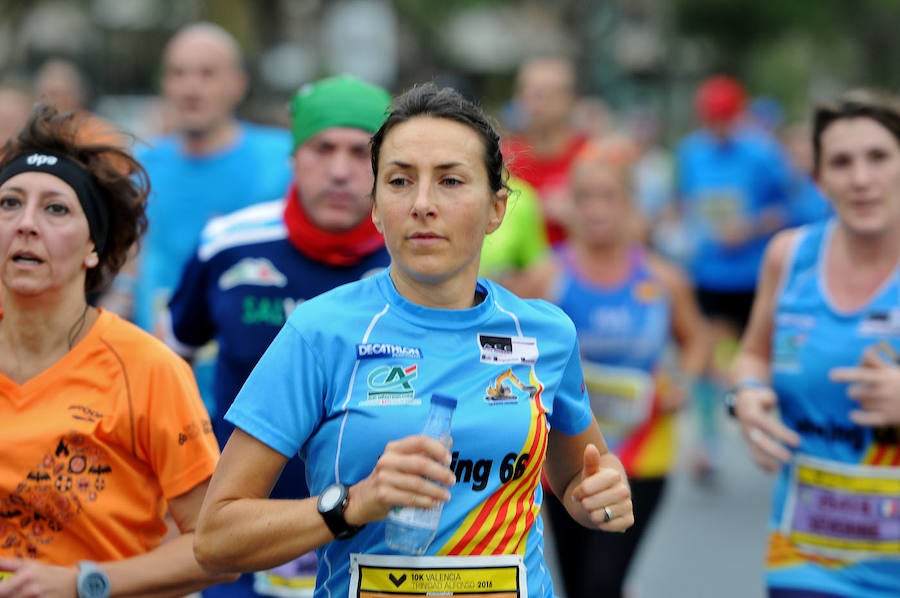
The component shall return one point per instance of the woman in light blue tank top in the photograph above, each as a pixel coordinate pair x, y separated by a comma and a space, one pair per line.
828, 299
630, 308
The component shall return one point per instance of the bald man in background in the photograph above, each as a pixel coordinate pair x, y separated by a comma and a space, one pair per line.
212, 162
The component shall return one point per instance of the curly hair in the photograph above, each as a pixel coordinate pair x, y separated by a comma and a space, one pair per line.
122, 181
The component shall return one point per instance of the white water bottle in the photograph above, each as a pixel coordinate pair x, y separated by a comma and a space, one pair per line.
410, 530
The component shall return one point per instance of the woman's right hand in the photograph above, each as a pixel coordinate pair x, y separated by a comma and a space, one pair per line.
31, 579
769, 440
411, 472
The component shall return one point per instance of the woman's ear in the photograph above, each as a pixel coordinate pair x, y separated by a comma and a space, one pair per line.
499, 211
92, 260
376, 219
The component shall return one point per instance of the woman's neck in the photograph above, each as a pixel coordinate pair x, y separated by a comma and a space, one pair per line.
456, 293
856, 266
604, 264
36, 333
882, 249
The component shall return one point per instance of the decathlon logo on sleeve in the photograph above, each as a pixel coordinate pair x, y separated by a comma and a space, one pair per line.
41, 160
387, 350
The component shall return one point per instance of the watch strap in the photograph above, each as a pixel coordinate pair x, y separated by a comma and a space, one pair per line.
334, 516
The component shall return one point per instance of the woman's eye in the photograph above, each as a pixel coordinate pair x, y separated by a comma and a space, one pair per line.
878, 155
57, 209
9, 202
397, 181
452, 182
839, 161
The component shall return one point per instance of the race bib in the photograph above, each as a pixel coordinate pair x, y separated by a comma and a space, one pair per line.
620, 396
721, 207
841, 511
383, 576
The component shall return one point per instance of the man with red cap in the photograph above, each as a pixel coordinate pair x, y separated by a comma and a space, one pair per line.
733, 188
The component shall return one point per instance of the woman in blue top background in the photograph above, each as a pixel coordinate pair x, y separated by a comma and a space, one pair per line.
346, 381
631, 308
828, 297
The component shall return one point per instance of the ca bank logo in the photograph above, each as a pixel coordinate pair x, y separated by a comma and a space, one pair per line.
392, 385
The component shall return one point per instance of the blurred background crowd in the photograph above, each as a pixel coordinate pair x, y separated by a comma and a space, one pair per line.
635, 55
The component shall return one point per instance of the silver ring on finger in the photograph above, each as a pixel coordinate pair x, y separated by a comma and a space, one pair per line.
607, 515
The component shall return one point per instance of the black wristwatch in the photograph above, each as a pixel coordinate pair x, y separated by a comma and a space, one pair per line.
92, 581
730, 400
332, 503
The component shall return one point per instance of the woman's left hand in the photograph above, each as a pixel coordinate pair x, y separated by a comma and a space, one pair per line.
31, 579
875, 385
604, 493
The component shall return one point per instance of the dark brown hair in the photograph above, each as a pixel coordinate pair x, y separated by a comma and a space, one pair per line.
445, 102
878, 105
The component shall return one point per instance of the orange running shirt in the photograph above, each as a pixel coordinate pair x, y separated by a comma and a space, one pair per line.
94, 445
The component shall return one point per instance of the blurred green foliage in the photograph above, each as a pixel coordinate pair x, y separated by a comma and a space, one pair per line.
798, 50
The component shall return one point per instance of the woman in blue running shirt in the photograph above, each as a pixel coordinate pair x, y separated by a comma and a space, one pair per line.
347, 382
828, 298
630, 307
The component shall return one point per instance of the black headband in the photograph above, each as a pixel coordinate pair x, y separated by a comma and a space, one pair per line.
89, 194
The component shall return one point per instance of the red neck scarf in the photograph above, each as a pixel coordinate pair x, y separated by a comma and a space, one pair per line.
335, 249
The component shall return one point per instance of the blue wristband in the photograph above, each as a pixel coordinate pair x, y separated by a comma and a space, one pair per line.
749, 382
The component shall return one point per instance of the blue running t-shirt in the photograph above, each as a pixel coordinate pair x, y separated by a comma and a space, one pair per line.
354, 368
186, 191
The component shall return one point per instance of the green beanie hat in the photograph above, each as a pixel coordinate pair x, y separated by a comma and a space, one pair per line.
342, 101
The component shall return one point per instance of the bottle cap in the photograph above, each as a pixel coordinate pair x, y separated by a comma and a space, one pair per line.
443, 400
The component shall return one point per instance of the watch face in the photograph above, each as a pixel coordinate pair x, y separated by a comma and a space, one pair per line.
96, 584
330, 497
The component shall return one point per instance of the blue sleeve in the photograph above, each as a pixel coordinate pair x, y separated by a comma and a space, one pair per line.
283, 399
775, 178
189, 310
680, 174
571, 407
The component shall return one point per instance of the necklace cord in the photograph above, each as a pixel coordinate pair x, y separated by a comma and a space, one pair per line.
76, 328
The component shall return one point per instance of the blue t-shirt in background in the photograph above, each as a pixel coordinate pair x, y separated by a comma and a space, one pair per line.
740, 178
186, 191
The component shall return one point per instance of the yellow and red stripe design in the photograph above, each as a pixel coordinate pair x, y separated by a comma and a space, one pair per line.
782, 553
500, 524
883, 454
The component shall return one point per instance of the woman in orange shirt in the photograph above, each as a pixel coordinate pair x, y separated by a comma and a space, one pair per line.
110, 433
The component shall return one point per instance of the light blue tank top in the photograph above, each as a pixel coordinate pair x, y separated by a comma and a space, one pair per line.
813, 494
